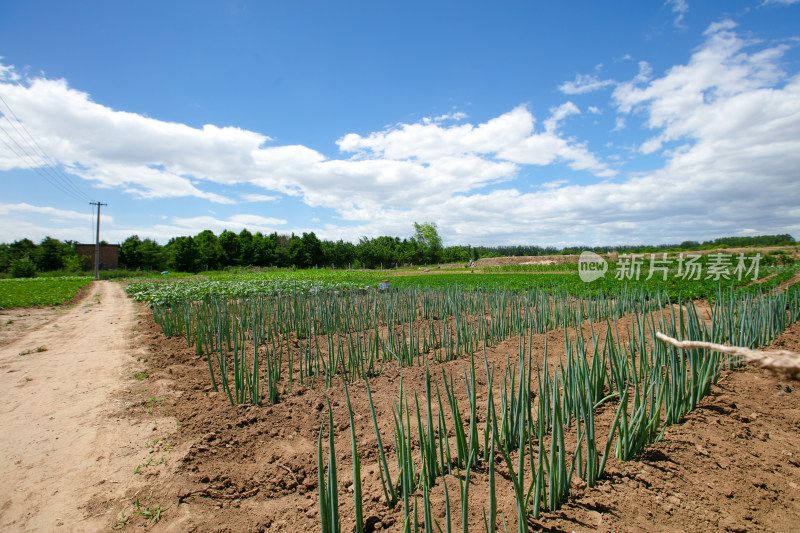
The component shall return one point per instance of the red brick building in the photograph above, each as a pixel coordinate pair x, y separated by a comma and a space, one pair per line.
109, 256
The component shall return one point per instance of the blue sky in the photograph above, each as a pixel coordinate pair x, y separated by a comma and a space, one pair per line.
555, 123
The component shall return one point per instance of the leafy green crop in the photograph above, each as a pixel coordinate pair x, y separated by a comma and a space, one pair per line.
31, 292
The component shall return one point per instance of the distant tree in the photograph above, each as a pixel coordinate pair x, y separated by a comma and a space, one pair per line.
409, 252
5, 257
209, 251
230, 248
294, 252
50, 254
339, 254
22, 248
456, 254
23, 268
153, 256
377, 252
282, 249
306, 252
247, 250
427, 235
264, 250
129, 255
182, 254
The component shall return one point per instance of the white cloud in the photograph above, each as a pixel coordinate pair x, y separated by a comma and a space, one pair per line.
258, 197
557, 114
51, 213
554, 184
645, 71
37, 222
737, 117
402, 166
781, 2
584, 83
687, 101
679, 7
726, 123
8, 73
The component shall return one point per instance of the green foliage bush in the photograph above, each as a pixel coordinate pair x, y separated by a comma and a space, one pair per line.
23, 268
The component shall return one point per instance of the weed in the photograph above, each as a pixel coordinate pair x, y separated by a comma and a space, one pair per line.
122, 522
40, 349
150, 461
149, 512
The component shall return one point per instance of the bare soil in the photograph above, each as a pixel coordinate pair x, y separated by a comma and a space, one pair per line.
792, 251
166, 446
65, 439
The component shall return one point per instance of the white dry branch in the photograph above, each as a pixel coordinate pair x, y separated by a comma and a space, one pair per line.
779, 361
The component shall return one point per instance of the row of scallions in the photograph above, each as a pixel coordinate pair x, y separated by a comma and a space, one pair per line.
545, 430
260, 347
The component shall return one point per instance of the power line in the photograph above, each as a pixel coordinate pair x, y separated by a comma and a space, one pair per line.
50, 170
38, 169
55, 167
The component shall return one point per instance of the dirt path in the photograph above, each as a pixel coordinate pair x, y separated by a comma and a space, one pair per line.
62, 443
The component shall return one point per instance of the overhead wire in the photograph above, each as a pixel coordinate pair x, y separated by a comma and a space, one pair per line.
50, 170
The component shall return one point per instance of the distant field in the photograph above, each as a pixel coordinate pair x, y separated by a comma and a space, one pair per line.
273, 282
39, 291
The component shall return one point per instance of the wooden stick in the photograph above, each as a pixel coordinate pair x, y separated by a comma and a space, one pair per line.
780, 361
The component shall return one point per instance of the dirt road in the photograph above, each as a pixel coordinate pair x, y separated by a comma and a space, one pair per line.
62, 443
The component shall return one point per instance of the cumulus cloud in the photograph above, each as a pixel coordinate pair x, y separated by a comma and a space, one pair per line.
736, 115
682, 102
38, 222
478, 154
584, 83
726, 125
151, 159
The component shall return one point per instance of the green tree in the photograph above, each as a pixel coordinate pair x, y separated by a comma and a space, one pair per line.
306, 252
247, 250
152, 255
23, 268
182, 254
339, 254
427, 235
22, 248
264, 249
282, 249
50, 254
409, 252
209, 251
455, 254
377, 252
5, 257
230, 248
129, 255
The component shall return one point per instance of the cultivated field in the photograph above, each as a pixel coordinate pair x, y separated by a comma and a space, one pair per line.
461, 401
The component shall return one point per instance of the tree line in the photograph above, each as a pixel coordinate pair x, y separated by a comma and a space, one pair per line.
207, 251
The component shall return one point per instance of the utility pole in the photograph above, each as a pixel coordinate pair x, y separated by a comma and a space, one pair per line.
97, 242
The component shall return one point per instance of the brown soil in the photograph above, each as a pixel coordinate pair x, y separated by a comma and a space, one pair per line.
733, 464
